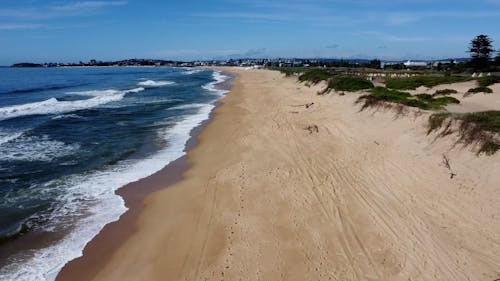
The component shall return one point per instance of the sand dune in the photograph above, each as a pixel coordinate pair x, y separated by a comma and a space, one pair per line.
278, 191
468, 103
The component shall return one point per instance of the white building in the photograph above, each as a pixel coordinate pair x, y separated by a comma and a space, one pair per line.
415, 64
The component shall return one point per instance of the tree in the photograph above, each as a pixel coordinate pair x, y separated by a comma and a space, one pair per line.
497, 59
375, 63
481, 50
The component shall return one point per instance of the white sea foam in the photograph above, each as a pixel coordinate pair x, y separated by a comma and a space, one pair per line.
152, 83
54, 106
95, 93
212, 87
67, 116
97, 192
7, 136
193, 71
110, 92
27, 148
188, 106
135, 90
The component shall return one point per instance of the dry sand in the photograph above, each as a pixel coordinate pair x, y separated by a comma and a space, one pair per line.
278, 191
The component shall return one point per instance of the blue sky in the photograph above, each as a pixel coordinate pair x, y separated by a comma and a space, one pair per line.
40, 31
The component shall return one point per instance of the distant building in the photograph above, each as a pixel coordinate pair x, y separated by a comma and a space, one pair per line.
417, 64
385, 64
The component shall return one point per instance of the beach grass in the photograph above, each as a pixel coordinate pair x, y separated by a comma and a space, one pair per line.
349, 83
315, 76
481, 89
346, 83
482, 128
290, 71
437, 120
412, 83
445, 92
380, 95
486, 120
488, 81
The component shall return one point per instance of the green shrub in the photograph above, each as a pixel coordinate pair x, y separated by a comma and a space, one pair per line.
488, 81
436, 121
315, 76
445, 92
478, 127
384, 94
481, 127
411, 83
422, 101
436, 103
489, 147
388, 93
289, 71
445, 101
485, 90
349, 83
486, 120
425, 97
417, 103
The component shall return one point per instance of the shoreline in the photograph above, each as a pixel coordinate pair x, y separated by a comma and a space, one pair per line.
105, 243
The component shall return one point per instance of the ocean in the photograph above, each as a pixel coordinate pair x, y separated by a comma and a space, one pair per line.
70, 137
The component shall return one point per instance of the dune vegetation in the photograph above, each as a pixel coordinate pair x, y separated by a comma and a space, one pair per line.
315, 76
480, 89
381, 95
482, 128
445, 92
412, 83
349, 83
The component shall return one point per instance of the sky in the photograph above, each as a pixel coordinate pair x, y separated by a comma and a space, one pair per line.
70, 31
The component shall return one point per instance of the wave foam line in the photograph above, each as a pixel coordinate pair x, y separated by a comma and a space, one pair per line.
54, 106
6, 136
212, 86
153, 84
28, 148
191, 72
188, 106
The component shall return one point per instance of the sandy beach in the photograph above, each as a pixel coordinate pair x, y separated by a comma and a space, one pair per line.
277, 190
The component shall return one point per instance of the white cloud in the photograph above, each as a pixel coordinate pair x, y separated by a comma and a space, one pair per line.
408, 18
332, 46
396, 38
401, 19
61, 11
192, 53
88, 5
189, 54
17, 26
247, 16
333, 13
